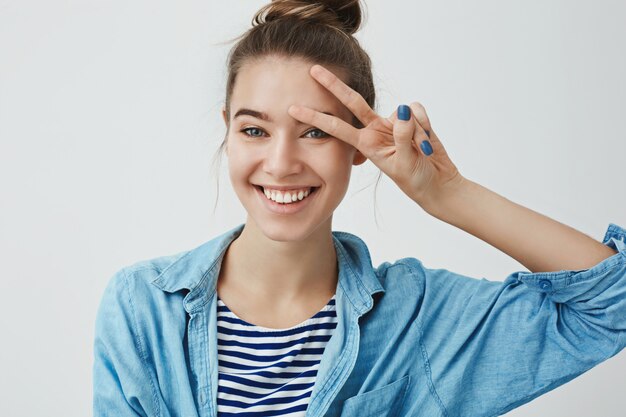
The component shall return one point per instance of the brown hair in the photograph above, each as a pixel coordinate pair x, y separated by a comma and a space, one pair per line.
317, 31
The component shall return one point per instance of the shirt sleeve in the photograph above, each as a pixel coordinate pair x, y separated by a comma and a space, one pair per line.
120, 384
493, 346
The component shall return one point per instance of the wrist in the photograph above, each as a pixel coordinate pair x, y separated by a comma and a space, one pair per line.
439, 201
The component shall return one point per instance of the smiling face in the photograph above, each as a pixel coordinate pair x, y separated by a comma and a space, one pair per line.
266, 146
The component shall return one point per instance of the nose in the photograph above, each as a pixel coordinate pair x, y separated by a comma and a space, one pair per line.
283, 156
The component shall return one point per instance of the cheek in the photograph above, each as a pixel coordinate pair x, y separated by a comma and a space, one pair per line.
239, 164
240, 155
343, 154
336, 164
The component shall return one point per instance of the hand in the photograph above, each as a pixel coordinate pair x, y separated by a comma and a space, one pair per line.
390, 143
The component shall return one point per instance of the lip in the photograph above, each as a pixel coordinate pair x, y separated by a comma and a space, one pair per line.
285, 209
285, 187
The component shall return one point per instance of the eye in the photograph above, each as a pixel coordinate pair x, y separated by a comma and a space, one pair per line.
320, 135
255, 132
252, 132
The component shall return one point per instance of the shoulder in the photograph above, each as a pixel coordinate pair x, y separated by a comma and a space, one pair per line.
131, 308
404, 276
133, 282
142, 272
412, 268
144, 269
438, 279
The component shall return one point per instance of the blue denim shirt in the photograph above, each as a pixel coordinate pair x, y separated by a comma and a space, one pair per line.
410, 341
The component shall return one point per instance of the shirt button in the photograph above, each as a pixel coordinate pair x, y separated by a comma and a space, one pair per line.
202, 398
545, 285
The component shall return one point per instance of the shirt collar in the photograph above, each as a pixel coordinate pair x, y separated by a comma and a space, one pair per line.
197, 271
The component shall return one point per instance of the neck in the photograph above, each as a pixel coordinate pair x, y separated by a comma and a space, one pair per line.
287, 270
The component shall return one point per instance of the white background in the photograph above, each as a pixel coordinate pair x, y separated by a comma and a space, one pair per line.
109, 119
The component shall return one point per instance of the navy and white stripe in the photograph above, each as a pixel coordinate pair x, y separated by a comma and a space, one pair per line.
269, 372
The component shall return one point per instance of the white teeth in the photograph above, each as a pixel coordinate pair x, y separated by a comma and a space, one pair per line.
286, 197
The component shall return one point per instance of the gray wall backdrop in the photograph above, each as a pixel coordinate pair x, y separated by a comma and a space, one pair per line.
109, 118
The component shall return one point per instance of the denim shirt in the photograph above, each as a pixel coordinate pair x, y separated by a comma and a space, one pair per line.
410, 341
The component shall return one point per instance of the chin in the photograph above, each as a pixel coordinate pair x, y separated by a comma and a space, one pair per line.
286, 231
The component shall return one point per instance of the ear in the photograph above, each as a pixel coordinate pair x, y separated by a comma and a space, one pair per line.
359, 158
226, 122
224, 116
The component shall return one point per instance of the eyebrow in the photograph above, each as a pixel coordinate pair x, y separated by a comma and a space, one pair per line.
261, 115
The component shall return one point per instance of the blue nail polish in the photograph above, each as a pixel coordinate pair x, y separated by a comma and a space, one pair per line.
426, 148
404, 112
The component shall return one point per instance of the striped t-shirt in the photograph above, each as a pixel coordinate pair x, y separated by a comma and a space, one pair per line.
269, 372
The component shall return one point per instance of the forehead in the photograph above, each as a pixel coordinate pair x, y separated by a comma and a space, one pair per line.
271, 84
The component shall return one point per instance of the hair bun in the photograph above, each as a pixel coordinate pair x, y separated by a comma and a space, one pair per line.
343, 14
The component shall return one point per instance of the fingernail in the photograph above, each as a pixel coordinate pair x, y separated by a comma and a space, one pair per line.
404, 112
426, 148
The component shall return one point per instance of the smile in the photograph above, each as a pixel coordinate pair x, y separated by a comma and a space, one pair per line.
283, 202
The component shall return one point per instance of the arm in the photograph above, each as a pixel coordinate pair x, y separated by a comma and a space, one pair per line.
119, 377
534, 240
493, 346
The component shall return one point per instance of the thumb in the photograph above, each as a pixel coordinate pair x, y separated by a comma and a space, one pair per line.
403, 130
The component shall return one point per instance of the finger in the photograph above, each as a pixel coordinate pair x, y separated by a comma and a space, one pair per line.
419, 129
419, 112
425, 137
350, 98
403, 130
332, 125
421, 138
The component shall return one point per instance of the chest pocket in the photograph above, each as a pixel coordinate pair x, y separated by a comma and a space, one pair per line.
381, 402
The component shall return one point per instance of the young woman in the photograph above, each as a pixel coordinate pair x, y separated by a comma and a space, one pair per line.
281, 316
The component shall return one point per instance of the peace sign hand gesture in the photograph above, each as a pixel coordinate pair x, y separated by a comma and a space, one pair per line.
390, 143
